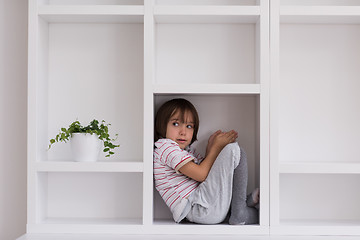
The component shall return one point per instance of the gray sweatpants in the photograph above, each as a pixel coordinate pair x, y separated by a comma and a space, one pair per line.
210, 202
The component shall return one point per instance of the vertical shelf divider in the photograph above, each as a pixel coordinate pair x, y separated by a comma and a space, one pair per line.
149, 57
274, 102
264, 80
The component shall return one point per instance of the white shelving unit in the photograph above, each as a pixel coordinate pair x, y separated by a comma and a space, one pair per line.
119, 60
314, 101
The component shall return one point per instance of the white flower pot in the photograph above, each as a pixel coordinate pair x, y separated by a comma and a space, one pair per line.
85, 147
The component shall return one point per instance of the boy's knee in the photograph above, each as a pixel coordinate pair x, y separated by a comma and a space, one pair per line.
231, 151
233, 148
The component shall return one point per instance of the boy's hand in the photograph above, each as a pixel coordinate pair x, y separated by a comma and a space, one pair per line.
224, 138
219, 139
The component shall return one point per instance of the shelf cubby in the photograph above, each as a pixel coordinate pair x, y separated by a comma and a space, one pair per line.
312, 67
224, 53
89, 198
318, 121
82, 68
322, 201
226, 112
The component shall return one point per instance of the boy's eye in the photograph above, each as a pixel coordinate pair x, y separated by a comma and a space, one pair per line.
175, 124
189, 126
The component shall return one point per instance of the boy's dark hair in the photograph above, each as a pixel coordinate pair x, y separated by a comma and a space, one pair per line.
167, 110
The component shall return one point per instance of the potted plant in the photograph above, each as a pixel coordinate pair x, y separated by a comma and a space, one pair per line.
86, 141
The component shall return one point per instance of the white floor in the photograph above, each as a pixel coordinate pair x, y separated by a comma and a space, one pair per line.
176, 237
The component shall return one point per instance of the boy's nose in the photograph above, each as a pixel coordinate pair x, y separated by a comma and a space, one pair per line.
182, 130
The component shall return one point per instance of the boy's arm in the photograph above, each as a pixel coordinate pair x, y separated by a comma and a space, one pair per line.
216, 143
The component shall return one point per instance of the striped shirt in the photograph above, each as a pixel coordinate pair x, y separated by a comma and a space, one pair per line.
173, 186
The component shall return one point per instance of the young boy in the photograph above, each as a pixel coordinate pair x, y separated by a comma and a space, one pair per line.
199, 189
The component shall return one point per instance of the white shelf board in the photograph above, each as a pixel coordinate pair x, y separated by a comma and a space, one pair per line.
206, 14
70, 166
320, 14
206, 89
94, 221
170, 227
319, 222
320, 167
96, 14
316, 227
83, 225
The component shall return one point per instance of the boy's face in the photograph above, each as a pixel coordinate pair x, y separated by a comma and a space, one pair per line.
180, 132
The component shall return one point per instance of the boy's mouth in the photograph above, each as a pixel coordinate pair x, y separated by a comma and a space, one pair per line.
181, 140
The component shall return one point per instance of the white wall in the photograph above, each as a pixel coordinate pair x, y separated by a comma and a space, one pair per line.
13, 117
